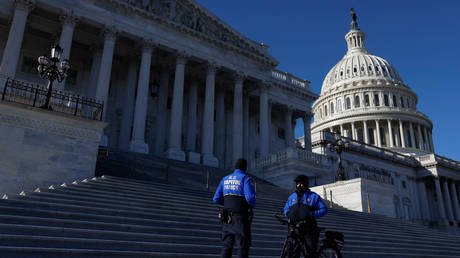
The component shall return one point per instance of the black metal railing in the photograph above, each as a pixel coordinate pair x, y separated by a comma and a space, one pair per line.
64, 102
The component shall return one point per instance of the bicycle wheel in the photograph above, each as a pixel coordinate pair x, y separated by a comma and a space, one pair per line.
329, 252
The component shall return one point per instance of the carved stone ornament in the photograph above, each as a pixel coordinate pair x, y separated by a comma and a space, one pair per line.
68, 18
187, 14
211, 67
181, 57
26, 5
239, 77
110, 33
148, 45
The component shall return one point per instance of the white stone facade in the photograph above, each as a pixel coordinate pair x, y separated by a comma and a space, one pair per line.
176, 81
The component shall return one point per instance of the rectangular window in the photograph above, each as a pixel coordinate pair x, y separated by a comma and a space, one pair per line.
386, 101
402, 102
376, 100
339, 105
395, 102
357, 101
332, 108
366, 100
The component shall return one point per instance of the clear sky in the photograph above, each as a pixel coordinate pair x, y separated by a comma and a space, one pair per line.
421, 39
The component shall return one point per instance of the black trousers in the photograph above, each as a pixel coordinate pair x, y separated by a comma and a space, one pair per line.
237, 231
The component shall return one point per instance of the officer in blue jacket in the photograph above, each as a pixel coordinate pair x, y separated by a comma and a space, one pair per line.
237, 194
305, 205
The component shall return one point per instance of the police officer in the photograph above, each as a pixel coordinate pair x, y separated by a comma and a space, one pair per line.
305, 205
236, 193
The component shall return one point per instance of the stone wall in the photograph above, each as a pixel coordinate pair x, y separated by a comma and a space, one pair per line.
39, 148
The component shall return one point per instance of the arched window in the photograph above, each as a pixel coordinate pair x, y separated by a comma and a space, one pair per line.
366, 100
332, 107
325, 110
339, 105
321, 113
386, 101
347, 103
357, 101
402, 102
395, 103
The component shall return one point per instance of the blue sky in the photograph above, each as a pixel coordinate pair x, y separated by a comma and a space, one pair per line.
421, 39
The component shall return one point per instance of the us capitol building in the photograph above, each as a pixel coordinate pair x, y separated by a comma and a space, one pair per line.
178, 82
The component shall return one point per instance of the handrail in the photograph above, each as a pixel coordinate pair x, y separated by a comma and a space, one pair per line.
63, 102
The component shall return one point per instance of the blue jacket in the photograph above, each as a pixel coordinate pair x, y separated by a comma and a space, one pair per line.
309, 198
237, 184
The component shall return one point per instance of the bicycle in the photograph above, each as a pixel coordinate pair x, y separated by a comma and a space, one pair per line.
330, 246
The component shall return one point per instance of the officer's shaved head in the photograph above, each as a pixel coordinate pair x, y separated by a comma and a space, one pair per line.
241, 164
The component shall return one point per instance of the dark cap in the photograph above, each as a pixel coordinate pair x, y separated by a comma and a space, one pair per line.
241, 164
301, 178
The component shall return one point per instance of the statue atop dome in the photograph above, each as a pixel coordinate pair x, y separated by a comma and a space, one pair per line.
354, 24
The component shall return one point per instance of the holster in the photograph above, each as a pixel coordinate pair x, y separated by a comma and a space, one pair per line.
225, 216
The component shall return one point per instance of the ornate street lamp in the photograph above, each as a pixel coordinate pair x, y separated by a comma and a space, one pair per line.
48, 69
338, 146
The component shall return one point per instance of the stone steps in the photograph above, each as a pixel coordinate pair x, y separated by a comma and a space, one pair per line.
119, 217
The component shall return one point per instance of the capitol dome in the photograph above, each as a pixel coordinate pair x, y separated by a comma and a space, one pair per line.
363, 92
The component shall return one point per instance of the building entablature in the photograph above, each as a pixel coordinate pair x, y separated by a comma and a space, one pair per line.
190, 17
367, 86
374, 113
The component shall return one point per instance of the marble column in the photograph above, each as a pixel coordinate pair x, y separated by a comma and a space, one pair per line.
191, 122
307, 131
412, 135
430, 138
12, 49
420, 137
175, 128
219, 144
342, 132
270, 108
208, 118
427, 142
390, 133
160, 132
246, 126
455, 207
424, 206
366, 132
377, 129
288, 128
354, 135
413, 187
137, 143
69, 20
105, 72
128, 104
238, 117
442, 211
450, 212
263, 125
402, 134
94, 73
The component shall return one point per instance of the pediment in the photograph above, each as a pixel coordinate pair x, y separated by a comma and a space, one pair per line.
192, 16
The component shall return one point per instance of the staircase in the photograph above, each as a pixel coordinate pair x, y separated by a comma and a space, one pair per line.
118, 217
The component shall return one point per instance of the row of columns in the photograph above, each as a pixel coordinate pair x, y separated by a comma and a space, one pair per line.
447, 199
399, 141
101, 74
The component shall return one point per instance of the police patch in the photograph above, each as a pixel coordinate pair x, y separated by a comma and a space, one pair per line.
308, 199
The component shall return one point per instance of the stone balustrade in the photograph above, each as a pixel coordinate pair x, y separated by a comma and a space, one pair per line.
290, 79
289, 153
